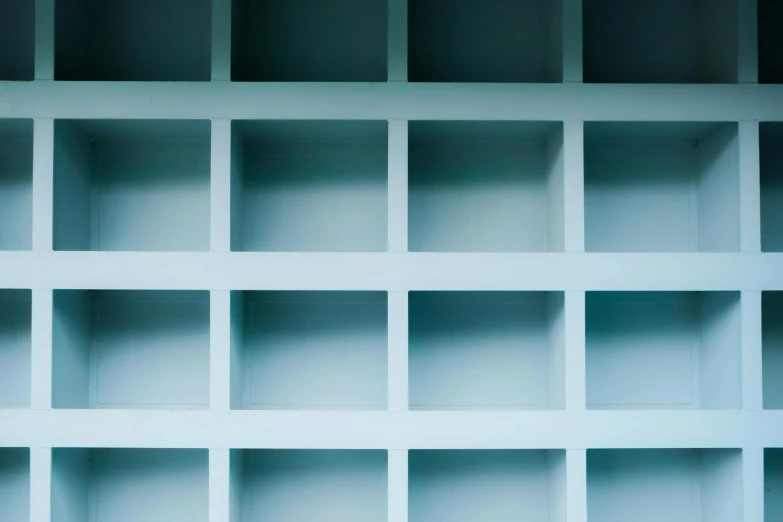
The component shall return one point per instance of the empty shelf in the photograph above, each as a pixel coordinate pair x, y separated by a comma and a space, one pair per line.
312, 485
486, 350
16, 181
482, 485
14, 484
661, 187
677, 485
17, 41
773, 484
485, 186
663, 350
141, 40
310, 186
771, 136
140, 185
660, 41
770, 13
131, 349
310, 350
309, 41
130, 485
15, 332
772, 349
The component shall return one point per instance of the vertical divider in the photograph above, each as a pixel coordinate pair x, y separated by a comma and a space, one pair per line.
41, 346
40, 484
220, 350
221, 40
220, 186
43, 184
747, 42
576, 485
576, 392
398, 41
44, 39
398, 351
573, 164
219, 485
750, 186
398, 486
572, 41
752, 389
753, 484
398, 186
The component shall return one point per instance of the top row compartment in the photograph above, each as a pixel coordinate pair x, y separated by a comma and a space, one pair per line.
485, 41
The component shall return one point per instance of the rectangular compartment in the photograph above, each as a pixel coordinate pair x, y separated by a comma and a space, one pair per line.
130, 349
661, 187
485, 186
138, 185
15, 348
676, 485
17, 40
130, 485
484, 485
14, 484
771, 141
309, 41
138, 40
16, 182
663, 350
309, 350
311, 485
772, 349
660, 41
486, 350
770, 17
773, 484
309, 186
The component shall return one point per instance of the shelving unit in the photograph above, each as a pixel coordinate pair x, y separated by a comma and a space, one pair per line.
15, 330
314, 485
16, 183
770, 40
771, 186
14, 484
477, 186
663, 350
138, 185
773, 483
661, 187
772, 349
17, 40
126, 485
117, 349
682, 485
310, 350
309, 186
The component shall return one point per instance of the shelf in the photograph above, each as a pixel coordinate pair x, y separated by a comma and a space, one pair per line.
771, 138
481, 485
661, 187
678, 485
486, 350
129, 485
142, 40
310, 186
485, 186
312, 485
309, 41
772, 349
140, 185
773, 484
770, 16
15, 332
14, 484
16, 182
131, 349
660, 41
17, 40
663, 350
310, 350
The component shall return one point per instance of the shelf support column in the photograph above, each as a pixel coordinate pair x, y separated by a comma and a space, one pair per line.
574, 186
398, 186
219, 481
220, 204
750, 186
43, 184
221, 40
398, 351
398, 485
40, 484
44, 39
753, 482
752, 388
41, 350
398, 41
576, 485
576, 399
220, 350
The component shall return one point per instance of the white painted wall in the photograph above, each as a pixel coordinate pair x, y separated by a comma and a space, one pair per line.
15, 348
772, 349
771, 187
14, 484
773, 483
16, 184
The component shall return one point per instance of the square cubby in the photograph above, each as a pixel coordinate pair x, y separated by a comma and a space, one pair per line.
309, 186
130, 349
773, 484
17, 41
130, 485
132, 185
486, 350
772, 349
309, 350
660, 41
771, 158
15, 348
138, 40
770, 14
661, 187
309, 41
14, 484
16, 182
485, 186
663, 350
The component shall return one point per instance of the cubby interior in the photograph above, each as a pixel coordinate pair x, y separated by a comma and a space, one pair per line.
309, 185
312, 485
660, 41
15, 348
771, 150
772, 349
309, 350
17, 40
139, 40
134, 349
486, 350
482, 485
663, 350
309, 41
485, 186
677, 485
132, 185
16, 179
130, 485
14, 484
661, 187
773, 484
770, 17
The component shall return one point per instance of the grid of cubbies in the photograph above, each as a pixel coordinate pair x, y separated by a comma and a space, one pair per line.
464, 260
